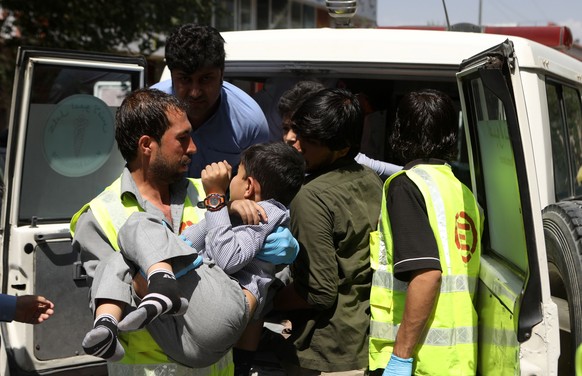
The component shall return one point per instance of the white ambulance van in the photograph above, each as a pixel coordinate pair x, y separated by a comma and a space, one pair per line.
520, 117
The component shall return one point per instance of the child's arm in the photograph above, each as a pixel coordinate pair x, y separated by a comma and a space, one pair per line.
232, 248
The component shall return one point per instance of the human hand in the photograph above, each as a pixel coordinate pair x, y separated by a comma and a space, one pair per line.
249, 211
280, 247
33, 309
398, 367
216, 177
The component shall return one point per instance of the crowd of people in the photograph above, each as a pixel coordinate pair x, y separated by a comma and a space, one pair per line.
213, 226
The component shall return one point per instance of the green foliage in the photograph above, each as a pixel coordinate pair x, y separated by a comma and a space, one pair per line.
126, 26
103, 25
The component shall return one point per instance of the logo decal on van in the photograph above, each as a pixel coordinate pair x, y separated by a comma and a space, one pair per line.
79, 135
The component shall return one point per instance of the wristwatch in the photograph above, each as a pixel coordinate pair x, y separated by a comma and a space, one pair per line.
214, 201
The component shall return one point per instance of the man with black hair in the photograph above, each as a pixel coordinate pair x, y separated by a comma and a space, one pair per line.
331, 217
197, 318
225, 120
426, 252
153, 135
269, 174
291, 100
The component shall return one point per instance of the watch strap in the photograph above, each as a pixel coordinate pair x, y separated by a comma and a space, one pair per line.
214, 202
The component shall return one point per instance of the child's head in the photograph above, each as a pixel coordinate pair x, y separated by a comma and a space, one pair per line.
269, 171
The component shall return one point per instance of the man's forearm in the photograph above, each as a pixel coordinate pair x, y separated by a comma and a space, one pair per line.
421, 296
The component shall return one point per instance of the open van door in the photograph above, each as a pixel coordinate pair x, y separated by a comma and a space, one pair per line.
518, 321
60, 153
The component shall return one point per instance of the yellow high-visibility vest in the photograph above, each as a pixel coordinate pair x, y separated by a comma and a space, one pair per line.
111, 213
449, 346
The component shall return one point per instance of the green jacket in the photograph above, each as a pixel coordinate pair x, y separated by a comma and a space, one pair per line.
332, 217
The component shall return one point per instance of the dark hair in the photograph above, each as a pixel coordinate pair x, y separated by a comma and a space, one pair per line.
277, 167
191, 47
143, 112
291, 99
331, 117
426, 126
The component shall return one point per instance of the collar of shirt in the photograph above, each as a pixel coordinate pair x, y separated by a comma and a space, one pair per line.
430, 161
177, 190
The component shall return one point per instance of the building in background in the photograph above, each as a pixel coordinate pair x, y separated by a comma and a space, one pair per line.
234, 15
284, 14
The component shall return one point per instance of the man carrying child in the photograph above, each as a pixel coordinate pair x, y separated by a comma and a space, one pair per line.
153, 134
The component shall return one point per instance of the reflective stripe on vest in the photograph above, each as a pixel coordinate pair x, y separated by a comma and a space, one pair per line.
449, 283
455, 219
434, 337
111, 213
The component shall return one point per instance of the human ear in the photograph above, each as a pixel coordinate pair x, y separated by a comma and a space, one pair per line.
253, 189
144, 144
343, 152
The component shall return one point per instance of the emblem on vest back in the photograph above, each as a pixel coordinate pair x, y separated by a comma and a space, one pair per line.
465, 235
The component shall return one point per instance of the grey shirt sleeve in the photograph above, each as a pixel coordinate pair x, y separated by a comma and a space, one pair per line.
109, 276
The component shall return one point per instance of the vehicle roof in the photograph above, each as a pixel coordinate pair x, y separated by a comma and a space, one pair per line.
381, 45
401, 47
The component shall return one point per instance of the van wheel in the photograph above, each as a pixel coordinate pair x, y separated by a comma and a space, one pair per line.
563, 235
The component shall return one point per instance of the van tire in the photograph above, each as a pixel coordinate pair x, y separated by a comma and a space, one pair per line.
563, 235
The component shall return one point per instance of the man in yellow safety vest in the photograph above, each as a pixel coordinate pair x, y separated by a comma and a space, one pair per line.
153, 135
425, 254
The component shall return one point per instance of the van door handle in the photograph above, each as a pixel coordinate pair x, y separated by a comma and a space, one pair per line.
42, 238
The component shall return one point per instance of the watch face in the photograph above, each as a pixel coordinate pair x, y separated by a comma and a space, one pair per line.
214, 201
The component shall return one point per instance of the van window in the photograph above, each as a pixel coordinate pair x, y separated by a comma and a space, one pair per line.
499, 178
70, 151
574, 125
565, 112
381, 94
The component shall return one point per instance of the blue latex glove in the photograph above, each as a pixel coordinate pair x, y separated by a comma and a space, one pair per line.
280, 247
398, 367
